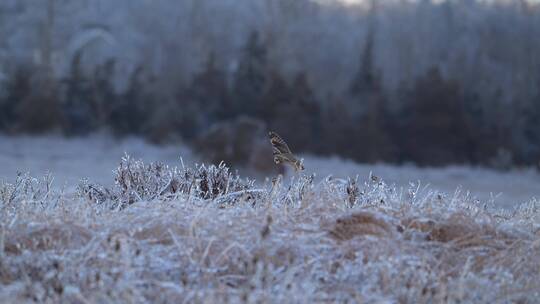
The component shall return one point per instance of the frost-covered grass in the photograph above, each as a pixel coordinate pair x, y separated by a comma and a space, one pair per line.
202, 234
93, 158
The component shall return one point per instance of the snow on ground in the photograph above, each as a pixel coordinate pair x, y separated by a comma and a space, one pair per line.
94, 158
70, 160
505, 189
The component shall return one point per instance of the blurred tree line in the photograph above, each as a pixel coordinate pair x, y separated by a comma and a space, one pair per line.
431, 117
437, 123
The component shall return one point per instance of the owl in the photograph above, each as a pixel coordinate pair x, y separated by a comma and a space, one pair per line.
282, 153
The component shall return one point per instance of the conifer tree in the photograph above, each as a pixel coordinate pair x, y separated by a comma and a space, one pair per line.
251, 78
369, 126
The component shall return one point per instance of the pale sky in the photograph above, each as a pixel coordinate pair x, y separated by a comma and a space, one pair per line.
360, 1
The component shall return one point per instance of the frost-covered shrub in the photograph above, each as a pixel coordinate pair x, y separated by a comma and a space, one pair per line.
25, 190
136, 181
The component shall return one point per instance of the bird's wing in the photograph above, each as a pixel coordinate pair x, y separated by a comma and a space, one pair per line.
278, 144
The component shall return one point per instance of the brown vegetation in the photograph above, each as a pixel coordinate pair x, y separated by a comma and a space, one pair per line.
205, 242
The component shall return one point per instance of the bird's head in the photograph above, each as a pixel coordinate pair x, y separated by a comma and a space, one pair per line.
299, 165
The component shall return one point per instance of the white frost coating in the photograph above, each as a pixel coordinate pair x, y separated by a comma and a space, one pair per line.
296, 241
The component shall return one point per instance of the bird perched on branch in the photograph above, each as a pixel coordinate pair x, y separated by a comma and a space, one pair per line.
282, 153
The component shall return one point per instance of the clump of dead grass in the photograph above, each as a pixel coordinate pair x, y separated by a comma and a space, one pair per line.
362, 223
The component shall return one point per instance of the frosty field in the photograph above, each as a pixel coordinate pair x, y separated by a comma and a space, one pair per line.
96, 157
201, 234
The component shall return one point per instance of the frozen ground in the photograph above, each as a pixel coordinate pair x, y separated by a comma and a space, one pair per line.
70, 160
203, 235
505, 189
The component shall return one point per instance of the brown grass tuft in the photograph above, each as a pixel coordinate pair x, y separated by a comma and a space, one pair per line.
360, 224
46, 237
